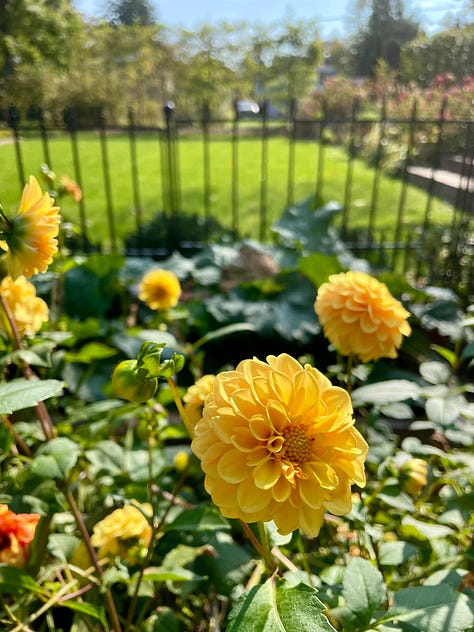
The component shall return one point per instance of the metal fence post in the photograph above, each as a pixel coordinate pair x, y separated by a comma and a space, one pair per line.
264, 172
291, 125
206, 117
235, 170
14, 122
134, 167
107, 185
69, 117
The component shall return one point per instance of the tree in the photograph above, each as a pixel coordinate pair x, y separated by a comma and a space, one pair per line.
131, 12
33, 33
383, 36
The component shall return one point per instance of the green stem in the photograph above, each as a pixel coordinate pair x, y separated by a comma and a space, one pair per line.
262, 545
116, 627
180, 407
350, 359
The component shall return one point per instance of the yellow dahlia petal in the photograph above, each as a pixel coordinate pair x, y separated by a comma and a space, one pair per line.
297, 451
266, 474
231, 466
159, 289
360, 316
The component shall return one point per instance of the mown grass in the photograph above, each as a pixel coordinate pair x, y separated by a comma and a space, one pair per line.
191, 177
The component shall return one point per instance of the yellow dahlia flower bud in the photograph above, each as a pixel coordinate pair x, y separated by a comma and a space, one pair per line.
30, 237
196, 396
413, 475
360, 316
277, 442
159, 289
28, 310
112, 535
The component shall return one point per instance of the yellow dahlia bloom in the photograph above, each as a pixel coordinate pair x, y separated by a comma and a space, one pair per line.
31, 235
159, 289
413, 476
28, 310
277, 442
196, 396
118, 532
360, 316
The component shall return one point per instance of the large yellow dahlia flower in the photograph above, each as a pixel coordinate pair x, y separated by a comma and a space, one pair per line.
277, 442
360, 316
30, 236
159, 289
28, 310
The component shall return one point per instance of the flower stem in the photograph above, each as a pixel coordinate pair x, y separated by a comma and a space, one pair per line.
350, 359
179, 406
116, 627
43, 415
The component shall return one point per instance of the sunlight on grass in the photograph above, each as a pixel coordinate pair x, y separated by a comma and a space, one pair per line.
152, 162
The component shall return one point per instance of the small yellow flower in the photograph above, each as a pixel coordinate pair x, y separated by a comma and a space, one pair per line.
277, 442
28, 310
159, 289
196, 396
360, 316
122, 529
30, 237
413, 475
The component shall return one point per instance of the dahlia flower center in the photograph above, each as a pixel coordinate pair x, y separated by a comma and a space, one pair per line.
297, 447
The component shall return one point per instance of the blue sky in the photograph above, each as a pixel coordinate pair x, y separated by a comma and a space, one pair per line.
331, 14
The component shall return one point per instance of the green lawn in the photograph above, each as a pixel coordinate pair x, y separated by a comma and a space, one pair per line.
190, 153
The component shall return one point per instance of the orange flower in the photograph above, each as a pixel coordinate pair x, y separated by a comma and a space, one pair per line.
277, 442
159, 289
71, 187
28, 310
16, 534
30, 237
196, 396
360, 316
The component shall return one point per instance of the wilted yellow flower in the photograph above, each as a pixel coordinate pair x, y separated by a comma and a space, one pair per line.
16, 534
71, 187
159, 289
360, 316
277, 442
122, 529
413, 476
196, 396
30, 237
28, 310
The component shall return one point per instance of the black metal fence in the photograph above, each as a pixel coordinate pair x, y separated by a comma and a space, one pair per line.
446, 171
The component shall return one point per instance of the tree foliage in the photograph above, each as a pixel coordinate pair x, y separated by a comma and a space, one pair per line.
383, 36
131, 12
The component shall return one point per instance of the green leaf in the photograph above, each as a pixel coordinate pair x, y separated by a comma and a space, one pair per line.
22, 393
391, 495
445, 410
425, 530
227, 330
396, 553
90, 352
55, 458
468, 351
447, 354
363, 589
107, 456
434, 608
435, 372
384, 392
201, 519
87, 609
14, 581
318, 267
274, 607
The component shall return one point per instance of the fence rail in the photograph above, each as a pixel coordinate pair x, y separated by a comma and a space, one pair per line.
411, 246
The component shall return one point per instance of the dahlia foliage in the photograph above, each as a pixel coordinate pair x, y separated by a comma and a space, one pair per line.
162, 469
